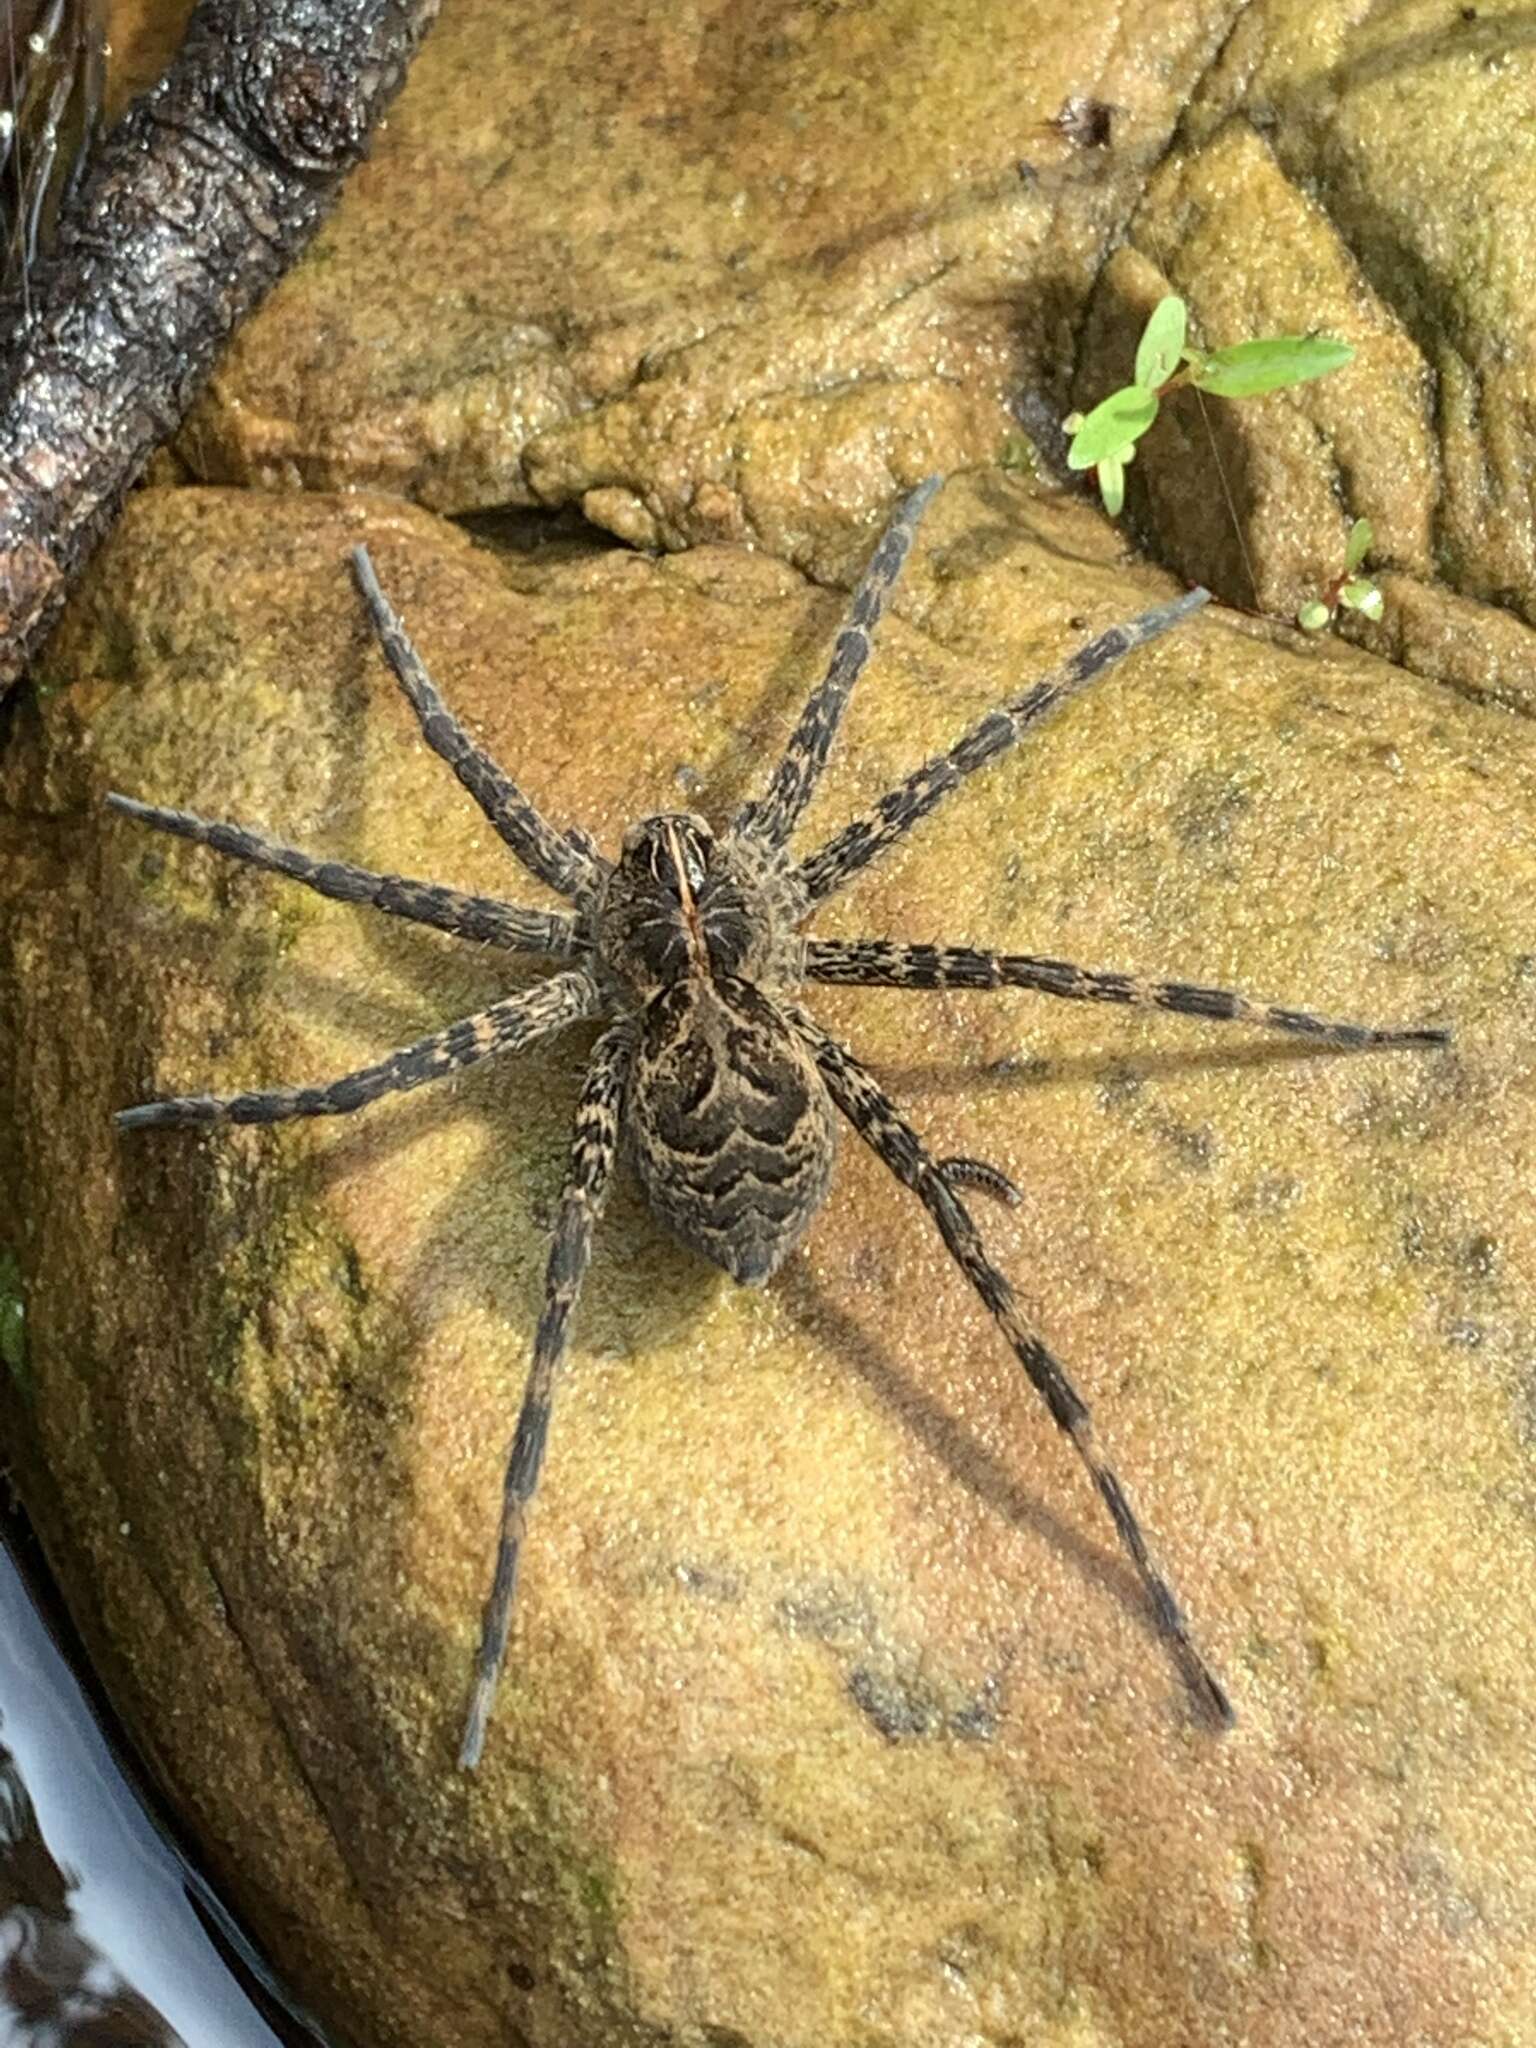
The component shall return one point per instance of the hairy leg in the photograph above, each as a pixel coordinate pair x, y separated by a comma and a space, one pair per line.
882, 1126
505, 1027
773, 816
480, 918
556, 859
963, 1172
598, 1119
877, 963
866, 838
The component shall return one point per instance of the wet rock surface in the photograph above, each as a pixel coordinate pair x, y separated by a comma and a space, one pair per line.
715, 276
833, 1716
710, 276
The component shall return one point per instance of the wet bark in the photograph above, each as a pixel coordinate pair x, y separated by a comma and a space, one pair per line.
196, 204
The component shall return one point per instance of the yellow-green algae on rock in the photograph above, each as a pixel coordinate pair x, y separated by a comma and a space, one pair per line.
141, 38
832, 1720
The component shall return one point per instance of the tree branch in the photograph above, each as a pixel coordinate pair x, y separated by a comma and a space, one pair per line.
196, 204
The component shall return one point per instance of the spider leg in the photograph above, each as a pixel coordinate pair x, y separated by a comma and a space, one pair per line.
865, 838
882, 1126
773, 816
480, 918
593, 1150
505, 1027
963, 1172
553, 856
876, 962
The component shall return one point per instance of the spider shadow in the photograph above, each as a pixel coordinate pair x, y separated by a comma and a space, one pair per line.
946, 1440
987, 1477
538, 1086
382, 1022
1016, 1072
514, 1182
741, 768
478, 1258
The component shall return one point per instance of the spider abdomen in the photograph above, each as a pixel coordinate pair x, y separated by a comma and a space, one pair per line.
733, 1132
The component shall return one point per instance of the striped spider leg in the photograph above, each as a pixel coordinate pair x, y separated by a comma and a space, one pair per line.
877, 963
565, 863
894, 1141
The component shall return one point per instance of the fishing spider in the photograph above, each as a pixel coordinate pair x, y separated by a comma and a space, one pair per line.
725, 1089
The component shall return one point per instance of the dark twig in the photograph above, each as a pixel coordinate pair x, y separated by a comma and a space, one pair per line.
193, 208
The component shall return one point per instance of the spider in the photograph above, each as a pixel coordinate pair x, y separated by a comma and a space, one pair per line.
724, 1088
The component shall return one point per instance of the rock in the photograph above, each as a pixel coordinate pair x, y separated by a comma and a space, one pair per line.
719, 277
833, 1717
708, 276
1367, 174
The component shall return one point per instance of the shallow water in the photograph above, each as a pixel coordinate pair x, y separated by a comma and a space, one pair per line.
108, 1936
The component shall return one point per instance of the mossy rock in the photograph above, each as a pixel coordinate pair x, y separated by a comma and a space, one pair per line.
833, 1718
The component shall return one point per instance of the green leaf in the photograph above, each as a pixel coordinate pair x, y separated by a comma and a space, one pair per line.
1360, 538
1162, 343
1250, 368
1121, 417
1361, 595
1111, 473
1313, 616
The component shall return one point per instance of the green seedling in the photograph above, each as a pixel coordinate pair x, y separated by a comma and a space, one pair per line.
1104, 440
1348, 591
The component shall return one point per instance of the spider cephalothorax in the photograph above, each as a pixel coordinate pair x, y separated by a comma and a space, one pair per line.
725, 1090
681, 900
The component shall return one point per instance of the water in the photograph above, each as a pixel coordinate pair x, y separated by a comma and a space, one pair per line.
109, 1938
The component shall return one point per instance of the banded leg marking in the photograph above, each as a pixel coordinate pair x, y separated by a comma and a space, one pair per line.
961, 1171
551, 855
774, 816
504, 1027
482, 919
886, 1131
877, 963
594, 1147
867, 837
